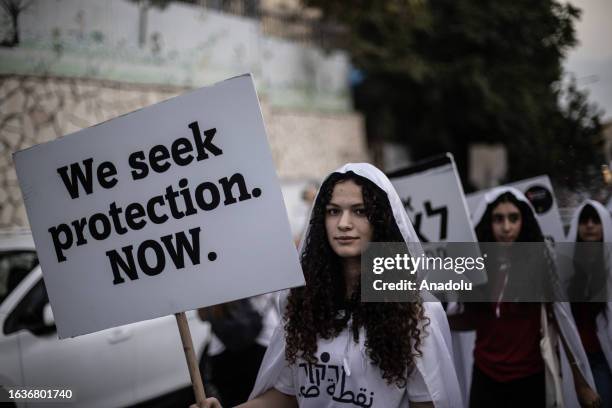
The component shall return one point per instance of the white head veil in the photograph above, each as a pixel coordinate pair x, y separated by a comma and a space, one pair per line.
604, 216
376, 176
606, 223
561, 310
436, 364
604, 323
492, 195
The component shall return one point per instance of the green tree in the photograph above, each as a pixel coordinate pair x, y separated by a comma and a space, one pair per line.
442, 74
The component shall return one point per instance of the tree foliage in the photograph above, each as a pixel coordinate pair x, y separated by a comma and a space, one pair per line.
443, 74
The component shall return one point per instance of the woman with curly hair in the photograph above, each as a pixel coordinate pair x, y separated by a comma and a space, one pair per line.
333, 350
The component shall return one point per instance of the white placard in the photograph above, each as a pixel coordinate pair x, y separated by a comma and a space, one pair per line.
432, 195
170, 208
540, 193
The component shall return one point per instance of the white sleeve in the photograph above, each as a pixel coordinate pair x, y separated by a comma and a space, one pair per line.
285, 383
417, 389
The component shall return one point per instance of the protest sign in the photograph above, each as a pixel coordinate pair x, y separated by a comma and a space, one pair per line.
432, 195
170, 208
539, 192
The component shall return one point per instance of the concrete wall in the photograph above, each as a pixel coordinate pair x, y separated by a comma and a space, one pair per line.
305, 145
82, 62
183, 45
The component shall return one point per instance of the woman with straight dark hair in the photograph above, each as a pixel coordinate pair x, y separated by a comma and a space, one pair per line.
514, 365
591, 286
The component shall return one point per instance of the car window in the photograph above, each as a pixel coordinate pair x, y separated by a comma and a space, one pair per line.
14, 266
28, 314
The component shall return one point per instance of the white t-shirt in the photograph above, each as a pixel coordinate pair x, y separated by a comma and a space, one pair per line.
345, 377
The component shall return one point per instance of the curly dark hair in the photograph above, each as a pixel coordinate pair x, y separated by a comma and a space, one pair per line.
393, 330
530, 229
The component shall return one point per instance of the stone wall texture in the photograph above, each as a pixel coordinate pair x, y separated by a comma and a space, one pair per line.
33, 110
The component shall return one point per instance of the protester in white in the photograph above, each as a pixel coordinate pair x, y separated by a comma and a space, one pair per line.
591, 222
343, 373
581, 372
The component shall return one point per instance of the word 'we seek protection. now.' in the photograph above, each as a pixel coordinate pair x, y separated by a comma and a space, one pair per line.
174, 202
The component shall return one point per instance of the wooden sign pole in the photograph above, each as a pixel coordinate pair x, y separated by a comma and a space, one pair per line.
194, 371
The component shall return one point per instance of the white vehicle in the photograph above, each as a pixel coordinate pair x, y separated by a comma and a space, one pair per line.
117, 367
